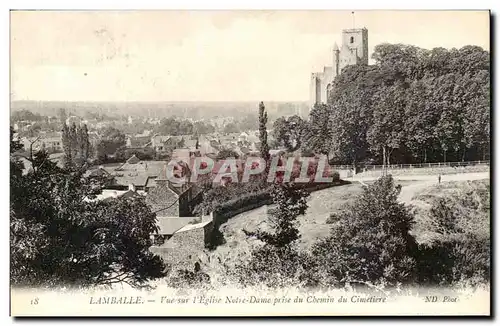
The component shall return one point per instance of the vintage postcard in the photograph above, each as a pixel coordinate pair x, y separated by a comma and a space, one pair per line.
250, 163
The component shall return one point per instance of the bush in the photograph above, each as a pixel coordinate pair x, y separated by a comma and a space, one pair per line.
461, 259
461, 252
184, 278
371, 241
276, 267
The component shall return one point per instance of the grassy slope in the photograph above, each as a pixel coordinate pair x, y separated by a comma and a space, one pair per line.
312, 225
321, 204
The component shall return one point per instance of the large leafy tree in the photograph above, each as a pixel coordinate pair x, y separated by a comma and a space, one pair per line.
175, 127
76, 146
414, 105
111, 140
352, 111
61, 236
420, 119
387, 131
290, 132
318, 135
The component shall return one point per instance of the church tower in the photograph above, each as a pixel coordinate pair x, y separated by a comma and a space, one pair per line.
354, 50
354, 47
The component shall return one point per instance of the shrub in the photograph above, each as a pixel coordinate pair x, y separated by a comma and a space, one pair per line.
184, 278
462, 258
461, 254
371, 241
276, 267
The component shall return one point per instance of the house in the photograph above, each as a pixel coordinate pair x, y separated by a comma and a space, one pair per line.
170, 199
133, 172
51, 142
163, 144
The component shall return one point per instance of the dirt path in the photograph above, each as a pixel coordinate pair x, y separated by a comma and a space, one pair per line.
420, 182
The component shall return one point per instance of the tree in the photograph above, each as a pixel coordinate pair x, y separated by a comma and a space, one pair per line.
421, 118
278, 263
111, 140
413, 105
387, 131
318, 134
66, 141
352, 111
264, 147
290, 203
73, 141
370, 242
62, 115
227, 153
202, 128
76, 146
248, 122
175, 127
61, 236
290, 132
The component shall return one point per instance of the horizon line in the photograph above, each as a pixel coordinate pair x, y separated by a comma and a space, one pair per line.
159, 101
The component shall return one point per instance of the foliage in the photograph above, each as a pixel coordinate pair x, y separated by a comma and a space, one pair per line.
461, 252
144, 154
184, 278
202, 128
277, 263
414, 105
231, 128
226, 153
290, 132
60, 235
318, 135
111, 140
176, 127
290, 203
275, 267
76, 146
370, 242
26, 115
264, 147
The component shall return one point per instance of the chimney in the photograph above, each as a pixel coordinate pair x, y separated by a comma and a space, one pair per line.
131, 187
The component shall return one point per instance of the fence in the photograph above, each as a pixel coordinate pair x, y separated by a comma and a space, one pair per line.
426, 165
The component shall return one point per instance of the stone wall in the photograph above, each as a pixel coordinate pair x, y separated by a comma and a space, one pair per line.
184, 248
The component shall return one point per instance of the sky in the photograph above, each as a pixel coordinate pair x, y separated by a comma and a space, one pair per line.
205, 55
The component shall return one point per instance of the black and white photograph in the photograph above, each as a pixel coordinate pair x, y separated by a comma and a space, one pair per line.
250, 163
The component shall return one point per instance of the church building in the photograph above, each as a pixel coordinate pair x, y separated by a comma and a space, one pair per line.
354, 50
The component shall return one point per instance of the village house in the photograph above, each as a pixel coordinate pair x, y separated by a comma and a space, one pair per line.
165, 144
133, 172
50, 142
167, 198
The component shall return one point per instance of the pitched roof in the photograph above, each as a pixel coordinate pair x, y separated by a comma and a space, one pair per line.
161, 197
